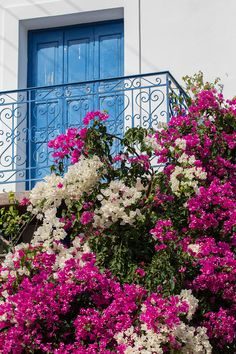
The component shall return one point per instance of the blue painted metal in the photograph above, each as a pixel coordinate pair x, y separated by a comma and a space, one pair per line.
147, 101
64, 55
109, 63
46, 57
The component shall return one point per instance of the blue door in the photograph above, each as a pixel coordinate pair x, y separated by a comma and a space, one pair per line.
70, 55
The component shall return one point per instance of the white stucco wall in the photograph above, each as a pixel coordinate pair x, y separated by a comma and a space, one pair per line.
185, 36
182, 36
19, 16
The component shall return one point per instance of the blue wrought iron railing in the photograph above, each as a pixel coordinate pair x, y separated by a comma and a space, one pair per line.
30, 117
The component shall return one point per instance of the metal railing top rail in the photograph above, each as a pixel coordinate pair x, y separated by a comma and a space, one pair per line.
167, 73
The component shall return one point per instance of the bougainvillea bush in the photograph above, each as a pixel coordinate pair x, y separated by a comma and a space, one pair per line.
135, 252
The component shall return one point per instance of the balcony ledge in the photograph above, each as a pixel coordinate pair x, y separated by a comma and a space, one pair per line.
4, 199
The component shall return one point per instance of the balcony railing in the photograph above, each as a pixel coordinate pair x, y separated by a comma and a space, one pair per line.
30, 117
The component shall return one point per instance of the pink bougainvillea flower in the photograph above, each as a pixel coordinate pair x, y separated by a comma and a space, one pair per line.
86, 217
25, 201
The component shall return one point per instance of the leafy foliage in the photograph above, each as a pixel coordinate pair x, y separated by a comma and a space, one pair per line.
12, 223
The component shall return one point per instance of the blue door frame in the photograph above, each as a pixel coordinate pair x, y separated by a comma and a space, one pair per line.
61, 56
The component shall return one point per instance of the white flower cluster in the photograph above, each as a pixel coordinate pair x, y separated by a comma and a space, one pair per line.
192, 340
187, 296
51, 229
64, 254
179, 144
150, 142
184, 179
186, 160
8, 263
115, 202
194, 247
47, 196
81, 177
147, 343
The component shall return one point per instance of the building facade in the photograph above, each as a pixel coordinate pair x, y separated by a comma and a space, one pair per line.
53, 43
182, 36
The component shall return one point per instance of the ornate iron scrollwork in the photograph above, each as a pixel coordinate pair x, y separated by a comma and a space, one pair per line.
30, 118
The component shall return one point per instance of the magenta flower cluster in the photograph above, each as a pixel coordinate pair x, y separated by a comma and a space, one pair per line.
101, 116
159, 310
76, 308
69, 144
72, 143
213, 206
208, 233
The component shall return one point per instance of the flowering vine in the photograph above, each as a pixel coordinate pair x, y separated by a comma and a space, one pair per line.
135, 251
